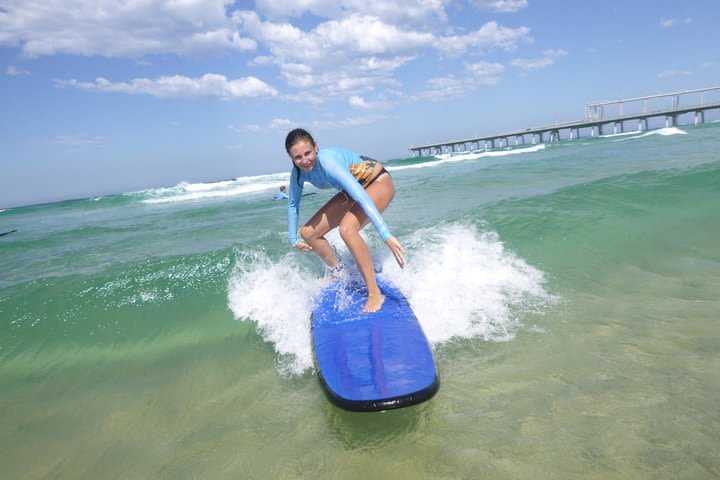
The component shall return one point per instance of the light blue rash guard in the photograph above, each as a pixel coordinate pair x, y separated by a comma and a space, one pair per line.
332, 170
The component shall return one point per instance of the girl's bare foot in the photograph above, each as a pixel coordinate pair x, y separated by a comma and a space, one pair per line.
374, 302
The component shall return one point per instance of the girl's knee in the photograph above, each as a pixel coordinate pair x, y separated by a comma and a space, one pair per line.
306, 233
348, 231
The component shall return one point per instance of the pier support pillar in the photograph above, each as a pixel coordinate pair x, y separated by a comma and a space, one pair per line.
618, 128
643, 124
671, 121
699, 118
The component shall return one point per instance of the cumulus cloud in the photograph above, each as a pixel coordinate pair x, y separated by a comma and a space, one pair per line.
119, 29
280, 123
77, 140
489, 36
77, 143
417, 12
509, 6
361, 103
475, 75
13, 71
673, 22
674, 73
355, 54
350, 51
485, 73
548, 58
209, 85
443, 88
284, 124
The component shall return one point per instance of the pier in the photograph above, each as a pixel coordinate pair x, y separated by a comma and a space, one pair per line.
601, 118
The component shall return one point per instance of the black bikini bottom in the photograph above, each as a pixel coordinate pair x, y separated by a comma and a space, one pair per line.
382, 170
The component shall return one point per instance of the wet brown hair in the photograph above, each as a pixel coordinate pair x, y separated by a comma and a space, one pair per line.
297, 136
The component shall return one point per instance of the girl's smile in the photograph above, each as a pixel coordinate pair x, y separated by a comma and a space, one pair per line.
304, 155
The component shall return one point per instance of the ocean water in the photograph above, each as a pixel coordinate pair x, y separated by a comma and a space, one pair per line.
571, 293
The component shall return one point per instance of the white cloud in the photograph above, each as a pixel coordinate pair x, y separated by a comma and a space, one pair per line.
284, 124
548, 58
330, 41
443, 88
484, 73
448, 87
113, 28
489, 36
673, 22
77, 143
353, 121
398, 11
280, 123
359, 53
77, 140
509, 6
359, 102
674, 73
209, 85
338, 58
13, 71
350, 51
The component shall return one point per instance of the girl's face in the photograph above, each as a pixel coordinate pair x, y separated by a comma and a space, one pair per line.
304, 155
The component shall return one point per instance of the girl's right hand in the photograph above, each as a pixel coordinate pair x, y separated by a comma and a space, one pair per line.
397, 250
303, 247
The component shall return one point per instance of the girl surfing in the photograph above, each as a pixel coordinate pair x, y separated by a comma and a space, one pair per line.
365, 191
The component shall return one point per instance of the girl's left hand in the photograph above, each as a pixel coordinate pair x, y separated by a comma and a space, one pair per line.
303, 247
397, 250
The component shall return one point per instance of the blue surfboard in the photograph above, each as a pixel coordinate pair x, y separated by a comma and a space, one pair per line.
370, 362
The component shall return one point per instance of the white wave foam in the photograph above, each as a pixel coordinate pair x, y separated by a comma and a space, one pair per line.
660, 131
460, 157
184, 191
623, 134
278, 297
466, 284
667, 131
460, 284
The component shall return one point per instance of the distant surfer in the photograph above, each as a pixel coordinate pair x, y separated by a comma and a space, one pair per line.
282, 193
366, 189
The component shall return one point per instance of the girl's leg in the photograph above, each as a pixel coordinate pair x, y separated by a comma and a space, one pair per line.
327, 218
381, 192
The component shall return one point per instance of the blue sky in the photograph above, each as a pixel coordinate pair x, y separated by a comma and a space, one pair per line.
108, 96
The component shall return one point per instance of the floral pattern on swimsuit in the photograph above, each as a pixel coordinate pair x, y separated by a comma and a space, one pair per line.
363, 171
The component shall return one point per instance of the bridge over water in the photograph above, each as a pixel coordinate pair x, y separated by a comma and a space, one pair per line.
599, 118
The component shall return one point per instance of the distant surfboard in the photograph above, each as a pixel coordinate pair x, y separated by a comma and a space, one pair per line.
370, 362
8, 233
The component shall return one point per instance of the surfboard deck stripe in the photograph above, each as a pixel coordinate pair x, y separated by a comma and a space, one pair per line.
371, 361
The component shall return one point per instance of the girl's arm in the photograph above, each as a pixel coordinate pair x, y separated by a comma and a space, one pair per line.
341, 176
294, 207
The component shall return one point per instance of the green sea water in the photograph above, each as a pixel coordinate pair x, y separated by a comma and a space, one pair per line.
571, 293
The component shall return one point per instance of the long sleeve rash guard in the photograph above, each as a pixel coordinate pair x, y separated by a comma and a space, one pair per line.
332, 170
